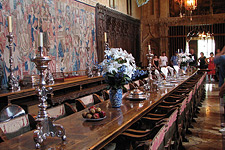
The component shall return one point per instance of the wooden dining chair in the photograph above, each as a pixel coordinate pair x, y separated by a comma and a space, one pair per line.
87, 101
168, 117
170, 120
131, 86
80, 105
151, 139
16, 126
61, 111
126, 88
97, 99
3, 137
105, 94
141, 83
145, 80
136, 83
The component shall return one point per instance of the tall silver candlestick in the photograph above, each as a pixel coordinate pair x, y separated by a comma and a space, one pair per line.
49, 77
13, 83
107, 46
45, 126
149, 57
149, 85
88, 69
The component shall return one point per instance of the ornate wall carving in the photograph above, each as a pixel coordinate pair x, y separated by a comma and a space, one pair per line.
122, 31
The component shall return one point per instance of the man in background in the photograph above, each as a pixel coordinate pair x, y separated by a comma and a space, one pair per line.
163, 60
217, 68
220, 60
174, 59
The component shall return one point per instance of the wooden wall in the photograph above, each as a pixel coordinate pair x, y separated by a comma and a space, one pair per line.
122, 30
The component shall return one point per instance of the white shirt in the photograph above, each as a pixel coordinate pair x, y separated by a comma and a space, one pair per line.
164, 60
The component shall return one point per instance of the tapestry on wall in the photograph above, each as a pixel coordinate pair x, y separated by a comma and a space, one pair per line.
68, 27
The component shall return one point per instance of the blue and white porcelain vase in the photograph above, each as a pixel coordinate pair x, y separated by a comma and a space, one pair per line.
115, 96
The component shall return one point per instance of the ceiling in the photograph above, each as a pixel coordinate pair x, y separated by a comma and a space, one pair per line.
204, 7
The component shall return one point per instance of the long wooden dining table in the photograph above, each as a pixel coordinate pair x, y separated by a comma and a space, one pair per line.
84, 135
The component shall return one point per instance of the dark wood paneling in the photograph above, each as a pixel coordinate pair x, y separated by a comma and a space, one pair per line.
122, 30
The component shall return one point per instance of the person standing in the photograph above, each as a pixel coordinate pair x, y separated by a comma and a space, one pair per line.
211, 67
203, 62
217, 68
163, 64
194, 58
163, 60
156, 62
220, 60
174, 59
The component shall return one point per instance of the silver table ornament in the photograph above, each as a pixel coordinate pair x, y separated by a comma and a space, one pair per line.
88, 69
107, 46
13, 83
149, 85
45, 126
49, 77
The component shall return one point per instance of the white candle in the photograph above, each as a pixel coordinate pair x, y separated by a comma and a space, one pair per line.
10, 23
105, 35
149, 47
40, 39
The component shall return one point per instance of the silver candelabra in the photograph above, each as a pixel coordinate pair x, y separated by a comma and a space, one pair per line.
88, 69
149, 57
149, 85
107, 46
49, 77
45, 126
13, 83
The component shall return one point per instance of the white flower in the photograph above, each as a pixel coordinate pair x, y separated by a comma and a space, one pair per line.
115, 58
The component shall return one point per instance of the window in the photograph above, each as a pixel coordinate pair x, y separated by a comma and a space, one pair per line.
129, 7
112, 3
206, 46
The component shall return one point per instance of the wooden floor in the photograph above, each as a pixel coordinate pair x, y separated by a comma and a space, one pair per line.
205, 134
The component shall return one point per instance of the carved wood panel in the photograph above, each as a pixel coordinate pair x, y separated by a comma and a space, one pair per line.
122, 30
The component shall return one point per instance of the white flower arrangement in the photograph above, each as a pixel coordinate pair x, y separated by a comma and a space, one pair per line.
118, 67
184, 58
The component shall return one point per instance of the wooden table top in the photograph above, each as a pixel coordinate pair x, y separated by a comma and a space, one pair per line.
83, 135
29, 91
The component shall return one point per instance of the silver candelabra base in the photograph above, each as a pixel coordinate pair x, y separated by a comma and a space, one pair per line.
13, 83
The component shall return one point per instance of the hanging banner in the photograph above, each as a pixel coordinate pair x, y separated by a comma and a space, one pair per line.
141, 2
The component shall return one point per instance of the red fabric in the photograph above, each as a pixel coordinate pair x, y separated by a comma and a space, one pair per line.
211, 67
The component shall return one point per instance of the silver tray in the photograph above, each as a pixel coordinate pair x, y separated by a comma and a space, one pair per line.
136, 97
99, 119
169, 85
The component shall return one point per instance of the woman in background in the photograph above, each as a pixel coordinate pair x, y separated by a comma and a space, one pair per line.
211, 67
156, 62
203, 62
